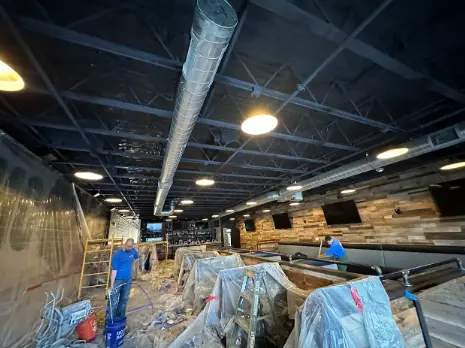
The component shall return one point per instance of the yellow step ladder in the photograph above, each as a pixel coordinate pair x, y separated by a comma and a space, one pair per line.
106, 246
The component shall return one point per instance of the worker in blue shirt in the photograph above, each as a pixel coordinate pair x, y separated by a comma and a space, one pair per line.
121, 278
336, 252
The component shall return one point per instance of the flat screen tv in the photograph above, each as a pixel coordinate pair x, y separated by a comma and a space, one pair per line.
282, 221
341, 213
449, 197
154, 227
249, 225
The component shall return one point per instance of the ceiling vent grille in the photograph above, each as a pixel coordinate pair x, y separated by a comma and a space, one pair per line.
443, 137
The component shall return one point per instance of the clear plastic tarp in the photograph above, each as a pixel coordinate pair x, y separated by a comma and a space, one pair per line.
180, 252
216, 320
350, 315
202, 279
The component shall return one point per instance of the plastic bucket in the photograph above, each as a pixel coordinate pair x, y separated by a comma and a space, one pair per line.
87, 330
115, 332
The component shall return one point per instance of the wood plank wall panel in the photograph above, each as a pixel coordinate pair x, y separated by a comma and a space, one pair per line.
418, 222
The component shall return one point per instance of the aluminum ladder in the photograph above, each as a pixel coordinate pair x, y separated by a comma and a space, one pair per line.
107, 246
248, 322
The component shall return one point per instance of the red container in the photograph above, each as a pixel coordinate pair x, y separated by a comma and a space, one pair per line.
87, 330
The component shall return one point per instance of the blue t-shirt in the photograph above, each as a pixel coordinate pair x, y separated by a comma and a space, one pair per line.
336, 249
121, 262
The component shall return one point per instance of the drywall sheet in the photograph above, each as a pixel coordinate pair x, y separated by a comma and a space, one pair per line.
41, 234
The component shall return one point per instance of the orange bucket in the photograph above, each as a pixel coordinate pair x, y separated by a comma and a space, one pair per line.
87, 330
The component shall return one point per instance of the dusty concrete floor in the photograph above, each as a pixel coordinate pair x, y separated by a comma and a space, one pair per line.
155, 315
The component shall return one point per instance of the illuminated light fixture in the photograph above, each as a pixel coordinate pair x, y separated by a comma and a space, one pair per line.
97, 194
246, 215
178, 210
172, 216
204, 219
113, 200
215, 216
259, 124
266, 210
346, 192
88, 176
453, 166
187, 201
229, 210
380, 170
294, 188
204, 182
124, 210
232, 219
392, 153
10, 80
251, 203
168, 220
293, 204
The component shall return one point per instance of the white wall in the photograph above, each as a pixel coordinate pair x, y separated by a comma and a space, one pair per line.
124, 227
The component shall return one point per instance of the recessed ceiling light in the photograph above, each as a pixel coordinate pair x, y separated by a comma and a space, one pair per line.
246, 215
392, 153
10, 80
97, 194
187, 201
232, 219
229, 210
178, 210
168, 220
294, 188
113, 200
380, 170
266, 210
251, 203
124, 210
259, 124
88, 176
345, 192
215, 216
172, 216
453, 166
204, 219
293, 204
205, 182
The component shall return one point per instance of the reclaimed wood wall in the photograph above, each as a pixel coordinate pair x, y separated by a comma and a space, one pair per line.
418, 222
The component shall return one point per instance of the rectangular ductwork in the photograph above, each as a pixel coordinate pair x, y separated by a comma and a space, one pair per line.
212, 29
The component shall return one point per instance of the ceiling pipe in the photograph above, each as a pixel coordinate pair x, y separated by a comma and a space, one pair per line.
442, 139
212, 28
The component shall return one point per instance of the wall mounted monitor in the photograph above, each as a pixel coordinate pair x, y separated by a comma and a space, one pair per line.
282, 221
341, 213
449, 197
249, 225
154, 227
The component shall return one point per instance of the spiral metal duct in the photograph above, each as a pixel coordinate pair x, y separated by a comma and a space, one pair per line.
435, 141
213, 26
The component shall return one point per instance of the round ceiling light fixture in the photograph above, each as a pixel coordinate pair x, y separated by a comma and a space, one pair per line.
453, 166
294, 187
392, 153
214, 216
380, 170
205, 182
229, 210
246, 215
348, 191
187, 202
124, 210
251, 203
178, 210
88, 176
259, 124
204, 219
232, 219
293, 204
168, 220
113, 200
10, 80
266, 210
172, 216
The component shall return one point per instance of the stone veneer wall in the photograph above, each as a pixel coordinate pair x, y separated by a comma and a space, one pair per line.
418, 222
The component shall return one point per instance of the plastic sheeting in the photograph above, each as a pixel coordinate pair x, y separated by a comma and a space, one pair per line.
216, 320
351, 315
180, 252
41, 233
202, 279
